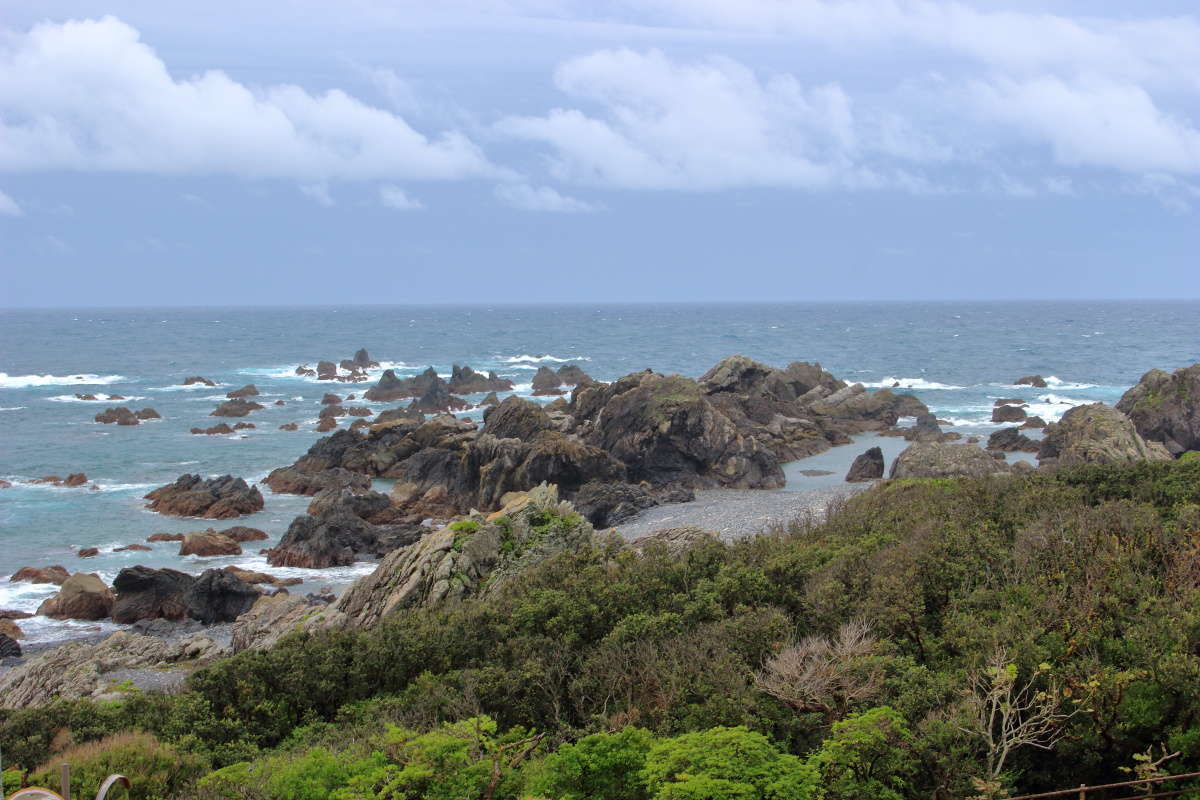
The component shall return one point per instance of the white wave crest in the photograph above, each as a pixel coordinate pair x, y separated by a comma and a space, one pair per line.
83, 379
12, 408
538, 359
1055, 382
100, 398
909, 383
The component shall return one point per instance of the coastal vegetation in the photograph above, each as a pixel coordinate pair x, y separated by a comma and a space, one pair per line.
866, 654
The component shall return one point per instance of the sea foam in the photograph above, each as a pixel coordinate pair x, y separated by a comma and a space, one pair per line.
83, 379
910, 383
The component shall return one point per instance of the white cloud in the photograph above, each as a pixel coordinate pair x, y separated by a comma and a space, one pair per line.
539, 198
395, 198
9, 207
1093, 122
710, 124
318, 193
88, 95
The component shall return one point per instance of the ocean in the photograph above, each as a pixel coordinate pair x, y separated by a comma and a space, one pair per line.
958, 357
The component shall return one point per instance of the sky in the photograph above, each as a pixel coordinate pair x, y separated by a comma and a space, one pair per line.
527, 151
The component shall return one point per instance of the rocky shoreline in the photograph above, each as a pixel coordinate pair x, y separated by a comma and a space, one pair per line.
474, 501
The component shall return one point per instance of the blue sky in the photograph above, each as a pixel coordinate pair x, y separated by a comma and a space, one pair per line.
542, 151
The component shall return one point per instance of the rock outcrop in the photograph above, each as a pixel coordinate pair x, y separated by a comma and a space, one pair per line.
1165, 407
944, 460
209, 543
120, 415
1036, 381
236, 408
76, 669
215, 430
219, 596
1008, 413
212, 498
1011, 440
464, 380
571, 375
9, 648
867, 466
249, 390
197, 379
289, 480
56, 574
1096, 434
547, 383
608, 504
146, 593
82, 596
342, 526
148, 413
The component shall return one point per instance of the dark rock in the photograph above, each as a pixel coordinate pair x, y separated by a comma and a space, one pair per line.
79, 396
9, 613
75, 479
148, 413
235, 408
120, 415
608, 504
165, 537
571, 375
330, 399
56, 574
326, 425
1166, 408
924, 430
9, 647
1033, 422
331, 411
390, 388
146, 593
289, 426
212, 498
131, 547
1036, 381
197, 379
867, 467
490, 400
1010, 401
546, 383
464, 380
326, 371
243, 426
305, 371
397, 415
1096, 434
249, 390
362, 359
219, 596
360, 411
516, 418
437, 398
215, 430
1011, 440
88, 552
289, 480
1008, 414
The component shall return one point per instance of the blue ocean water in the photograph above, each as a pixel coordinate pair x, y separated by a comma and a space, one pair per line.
957, 357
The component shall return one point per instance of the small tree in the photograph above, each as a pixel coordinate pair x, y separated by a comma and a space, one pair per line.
1006, 714
827, 676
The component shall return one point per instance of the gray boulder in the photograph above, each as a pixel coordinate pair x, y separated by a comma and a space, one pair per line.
1166, 408
944, 460
867, 467
1096, 434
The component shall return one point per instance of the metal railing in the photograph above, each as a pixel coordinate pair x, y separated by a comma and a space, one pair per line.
1147, 788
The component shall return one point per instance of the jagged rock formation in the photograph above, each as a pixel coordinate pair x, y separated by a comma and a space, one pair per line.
1165, 407
249, 390
146, 593
1011, 440
1008, 413
1096, 434
209, 543
464, 380
547, 383
1036, 381
236, 408
943, 460
120, 415
212, 498
340, 526
867, 467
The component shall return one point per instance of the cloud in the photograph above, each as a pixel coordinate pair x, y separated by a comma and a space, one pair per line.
710, 124
395, 198
9, 207
1092, 122
539, 198
318, 193
89, 95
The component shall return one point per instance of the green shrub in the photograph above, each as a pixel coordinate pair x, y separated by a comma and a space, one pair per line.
155, 770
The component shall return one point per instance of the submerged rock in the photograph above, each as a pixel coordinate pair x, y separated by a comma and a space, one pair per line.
1036, 381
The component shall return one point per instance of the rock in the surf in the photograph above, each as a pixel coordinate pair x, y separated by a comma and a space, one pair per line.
82, 596
120, 415
55, 574
1165, 407
209, 543
235, 408
213, 498
867, 466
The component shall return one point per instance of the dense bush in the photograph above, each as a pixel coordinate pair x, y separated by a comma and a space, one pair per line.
1078, 591
155, 770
